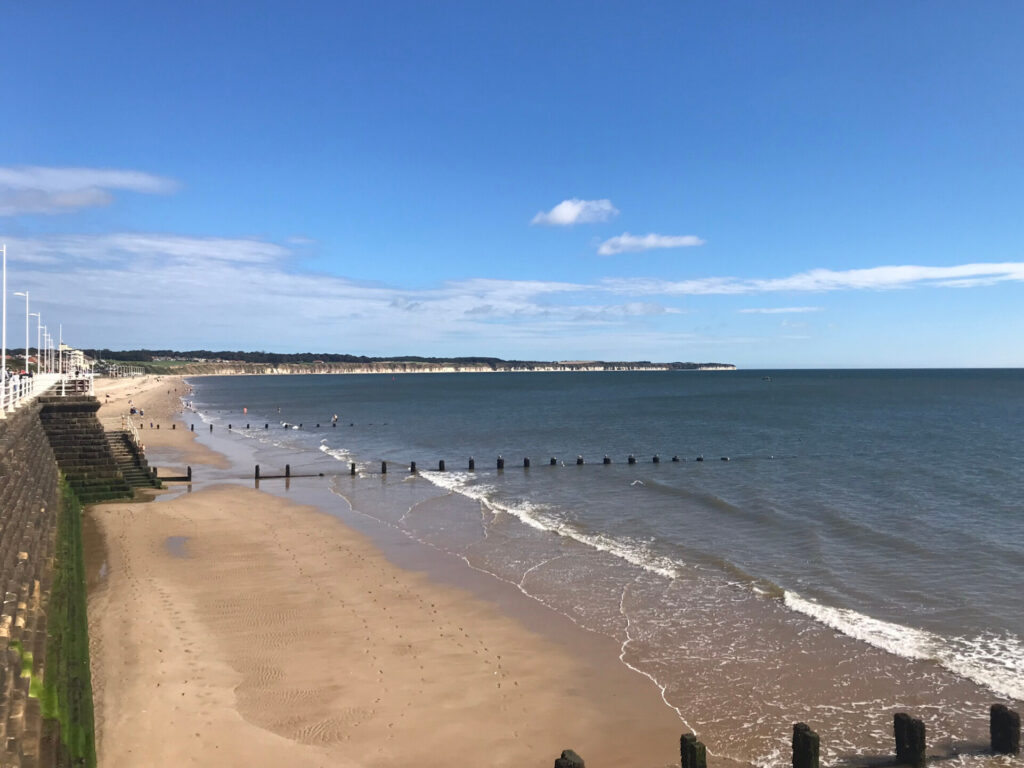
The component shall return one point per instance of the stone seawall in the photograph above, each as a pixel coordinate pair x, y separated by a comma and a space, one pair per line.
28, 514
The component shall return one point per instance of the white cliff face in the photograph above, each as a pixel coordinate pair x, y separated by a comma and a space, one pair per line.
227, 369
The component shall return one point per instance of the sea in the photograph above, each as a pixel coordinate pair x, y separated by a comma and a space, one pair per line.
764, 546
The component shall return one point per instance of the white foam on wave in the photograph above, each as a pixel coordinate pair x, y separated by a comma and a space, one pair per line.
335, 453
541, 517
989, 659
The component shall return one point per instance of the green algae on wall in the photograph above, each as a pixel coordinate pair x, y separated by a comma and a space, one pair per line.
66, 695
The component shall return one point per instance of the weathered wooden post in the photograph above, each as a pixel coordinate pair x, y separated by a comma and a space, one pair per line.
692, 753
257, 471
501, 463
211, 427
287, 470
806, 746
352, 468
656, 459
188, 473
383, 467
412, 467
440, 466
909, 734
526, 462
472, 464
266, 426
569, 759
174, 426
1004, 726
193, 428
229, 426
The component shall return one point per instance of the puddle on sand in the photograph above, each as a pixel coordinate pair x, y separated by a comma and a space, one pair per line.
176, 545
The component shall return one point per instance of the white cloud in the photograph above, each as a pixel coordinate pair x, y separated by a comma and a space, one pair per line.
128, 290
822, 280
576, 211
778, 310
35, 189
627, 243
114, 249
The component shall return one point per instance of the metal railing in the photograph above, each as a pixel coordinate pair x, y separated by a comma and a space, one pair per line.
128, 425
17, 391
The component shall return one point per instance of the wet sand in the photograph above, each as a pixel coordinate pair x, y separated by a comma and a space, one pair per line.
230, 626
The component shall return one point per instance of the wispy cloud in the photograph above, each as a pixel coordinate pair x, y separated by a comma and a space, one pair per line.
627, 243
822, 280
151, 289
576, 211
778, 310
36, 189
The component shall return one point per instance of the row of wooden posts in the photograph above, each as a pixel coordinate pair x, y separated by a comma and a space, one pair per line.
631, 459
909, 733
500, 463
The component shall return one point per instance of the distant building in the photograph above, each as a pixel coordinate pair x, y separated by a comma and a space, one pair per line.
74, 359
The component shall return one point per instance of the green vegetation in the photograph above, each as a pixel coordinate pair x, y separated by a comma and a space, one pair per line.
66, 694
35, 688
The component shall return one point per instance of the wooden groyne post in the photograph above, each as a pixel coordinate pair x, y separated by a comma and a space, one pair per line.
472, 464
569, 759
806, 746
910, 739
692, 753
1004, 727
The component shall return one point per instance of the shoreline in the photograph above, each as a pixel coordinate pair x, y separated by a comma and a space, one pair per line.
740, 665
243, 545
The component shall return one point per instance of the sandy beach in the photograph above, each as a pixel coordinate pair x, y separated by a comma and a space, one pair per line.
231, 627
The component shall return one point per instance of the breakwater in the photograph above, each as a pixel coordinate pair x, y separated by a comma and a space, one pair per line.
909, 735
49, 449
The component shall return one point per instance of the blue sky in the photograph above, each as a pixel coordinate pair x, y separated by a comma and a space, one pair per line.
775, 185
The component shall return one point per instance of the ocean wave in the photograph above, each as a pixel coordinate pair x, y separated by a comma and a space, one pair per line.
335, 453
543, 518
989, 659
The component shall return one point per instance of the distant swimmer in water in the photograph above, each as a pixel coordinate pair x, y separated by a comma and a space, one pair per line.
334, 419
245, 409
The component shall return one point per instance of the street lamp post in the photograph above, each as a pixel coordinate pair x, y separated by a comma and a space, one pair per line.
42, 351
25, 294
39, 337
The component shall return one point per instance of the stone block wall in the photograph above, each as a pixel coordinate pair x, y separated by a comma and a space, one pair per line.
28, 513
